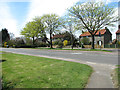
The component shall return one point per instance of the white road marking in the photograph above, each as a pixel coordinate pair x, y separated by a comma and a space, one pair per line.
97, 72
76, 53
90, 63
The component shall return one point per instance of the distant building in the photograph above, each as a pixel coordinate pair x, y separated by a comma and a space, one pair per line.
106, 36
118, 34
58, 36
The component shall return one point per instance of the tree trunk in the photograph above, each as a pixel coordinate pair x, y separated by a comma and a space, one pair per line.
72, 41
93, 39
51, 39
33, 40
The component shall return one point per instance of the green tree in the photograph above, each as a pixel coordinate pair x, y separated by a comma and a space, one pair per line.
33, 29
69, 25
52, 23
92, 16
28, 41
5, 35
67, 36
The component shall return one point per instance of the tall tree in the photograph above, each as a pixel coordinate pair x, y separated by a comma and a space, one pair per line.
33, 29
92, 16
69, 26
52, 23
5, 35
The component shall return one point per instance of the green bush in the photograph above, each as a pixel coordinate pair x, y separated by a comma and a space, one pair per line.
42, 44
65, 42
60, 44
16, 42
118, 42
11, 43
25, 46
56, 42
85, 41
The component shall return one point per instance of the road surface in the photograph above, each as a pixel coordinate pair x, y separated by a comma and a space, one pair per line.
91, 56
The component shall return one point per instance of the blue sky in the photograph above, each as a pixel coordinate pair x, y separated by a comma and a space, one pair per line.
19, 10
14, 14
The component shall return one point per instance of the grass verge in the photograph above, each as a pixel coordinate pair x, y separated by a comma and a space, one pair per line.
71, 49
116, 77
23, 71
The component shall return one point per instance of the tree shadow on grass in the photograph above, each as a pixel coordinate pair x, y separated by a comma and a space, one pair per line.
2, 61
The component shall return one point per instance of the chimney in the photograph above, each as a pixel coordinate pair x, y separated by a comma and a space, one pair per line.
106, 28
118, 27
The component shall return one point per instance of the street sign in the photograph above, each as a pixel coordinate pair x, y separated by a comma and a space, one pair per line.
94, 42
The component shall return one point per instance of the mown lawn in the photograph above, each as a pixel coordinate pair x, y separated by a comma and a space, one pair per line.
23, 71
116, 76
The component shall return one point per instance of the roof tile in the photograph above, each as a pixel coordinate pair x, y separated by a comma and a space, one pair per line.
102, 31
58, 36
118, 31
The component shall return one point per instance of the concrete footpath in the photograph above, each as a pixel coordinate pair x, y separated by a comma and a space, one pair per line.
100, 78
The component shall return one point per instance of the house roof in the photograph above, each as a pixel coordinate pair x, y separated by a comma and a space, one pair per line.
58, 36
102, 31
118, 31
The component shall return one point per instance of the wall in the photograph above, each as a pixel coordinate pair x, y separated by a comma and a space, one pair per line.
107, 37
97, 38
118, 37
96, 46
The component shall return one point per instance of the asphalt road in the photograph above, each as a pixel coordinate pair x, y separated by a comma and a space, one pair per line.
90, 56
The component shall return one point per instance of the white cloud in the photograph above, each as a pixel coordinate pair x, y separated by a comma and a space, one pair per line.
41, 7
114, 29
6, 19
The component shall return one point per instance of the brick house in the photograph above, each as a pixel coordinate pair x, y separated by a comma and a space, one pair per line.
118, 34
106, 36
